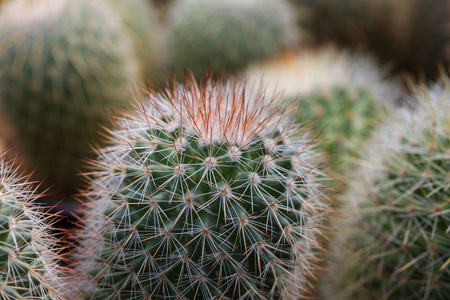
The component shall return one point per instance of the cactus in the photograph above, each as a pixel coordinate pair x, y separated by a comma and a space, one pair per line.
64, 64
395, 243
142, 25
226, 35
28, 255
409, 34
207, 192
347, 92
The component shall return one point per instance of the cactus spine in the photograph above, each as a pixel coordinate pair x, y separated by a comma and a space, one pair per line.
205, 193
226, 35
64, 63
28, 255
395, 243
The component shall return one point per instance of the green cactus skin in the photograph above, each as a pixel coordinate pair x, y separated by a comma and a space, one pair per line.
347, 93
349, 116
226, 35
64, 65
395, 243
28, 254
411, 35
205, 193
149, 36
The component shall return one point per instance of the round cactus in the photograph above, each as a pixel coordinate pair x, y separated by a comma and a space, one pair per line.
64, 64
347, 93
395, 243
205, 193
226, 35
142, 25
28, 255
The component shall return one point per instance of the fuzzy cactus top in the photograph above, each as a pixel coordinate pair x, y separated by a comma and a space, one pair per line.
347, 92
206, 191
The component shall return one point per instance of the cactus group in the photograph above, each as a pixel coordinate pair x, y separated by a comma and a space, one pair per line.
28, 253
64, 64
206, 192
347, 93
395, 242
226, 35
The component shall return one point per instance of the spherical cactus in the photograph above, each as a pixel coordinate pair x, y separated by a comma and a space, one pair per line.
347, 93
395, 242
63, 65
226, 35
148, 35
206, 192
409, 35
28, 254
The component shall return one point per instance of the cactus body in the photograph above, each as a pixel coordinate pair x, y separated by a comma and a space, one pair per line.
395, 243
64, 65
225, 35
148, 35
206, 193
28, 254
347, 93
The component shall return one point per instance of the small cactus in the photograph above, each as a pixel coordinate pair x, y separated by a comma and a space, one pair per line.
346, 92
28, 254
395, 242
206, 192
226, 35
63, 65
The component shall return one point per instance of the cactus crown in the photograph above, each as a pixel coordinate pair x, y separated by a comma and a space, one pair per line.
205, 193
28, 254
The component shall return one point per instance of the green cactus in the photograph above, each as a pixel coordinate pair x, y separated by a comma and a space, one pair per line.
348, 93
28, 254
207, 192
226, 35
411, 35
148, 35
64, 65
395, 243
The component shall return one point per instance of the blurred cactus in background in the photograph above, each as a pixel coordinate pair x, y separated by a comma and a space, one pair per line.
395, 243
348, 93
410, 34
206, 192
148, 35
64, 64
28, 252
226, 35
